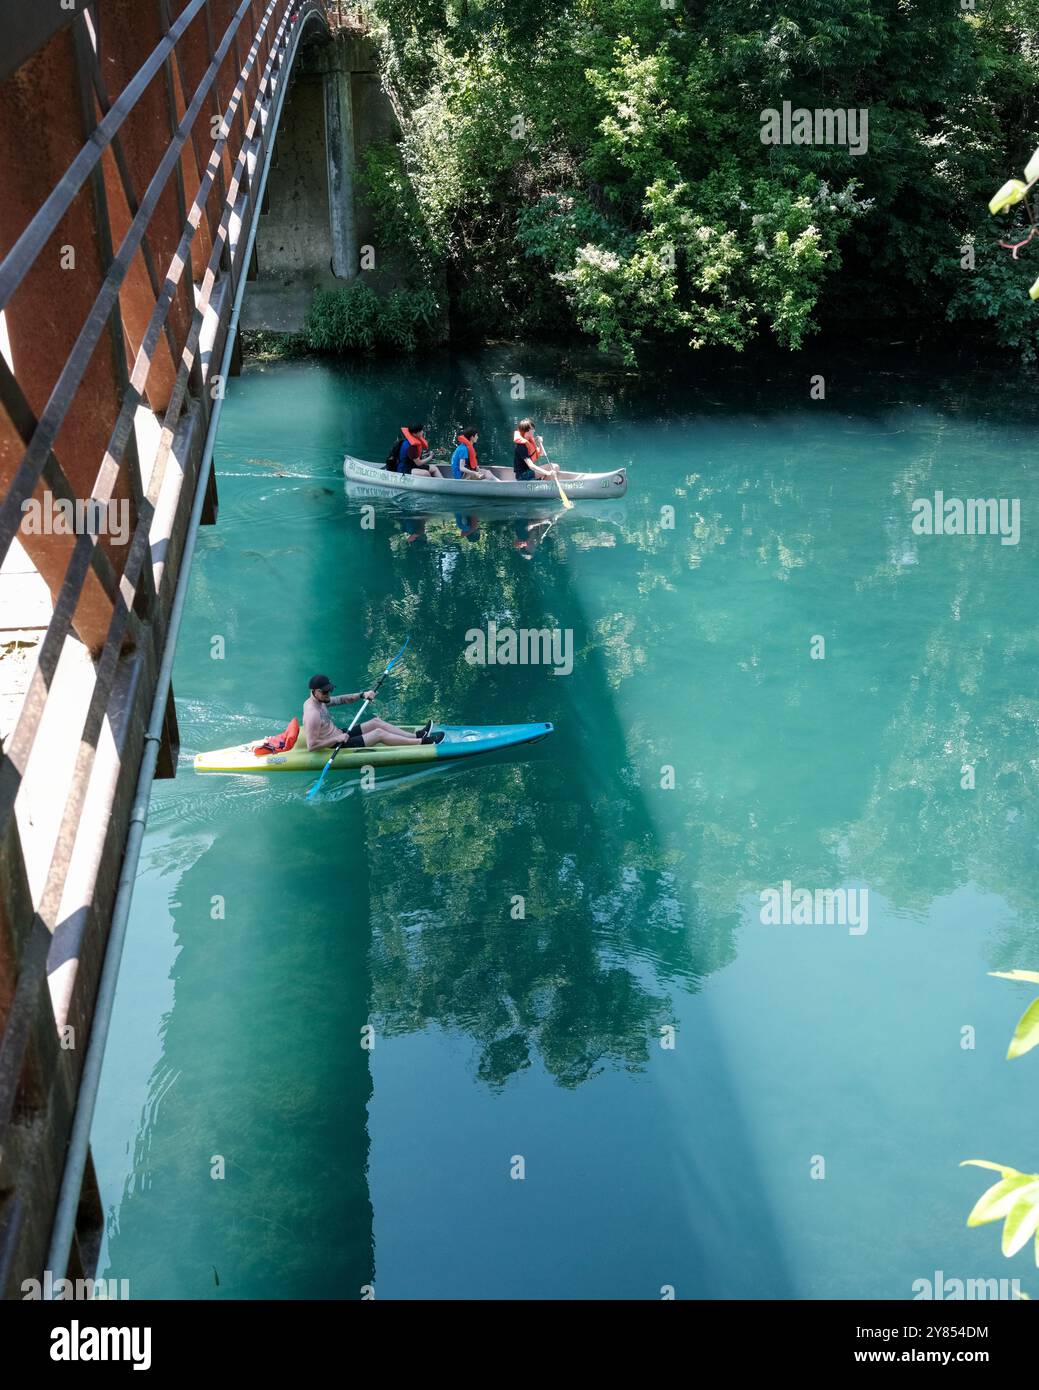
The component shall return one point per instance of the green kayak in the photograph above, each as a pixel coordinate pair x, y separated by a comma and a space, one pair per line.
460, 741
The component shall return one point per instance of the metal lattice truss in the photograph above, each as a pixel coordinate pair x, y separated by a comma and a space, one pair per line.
135, 136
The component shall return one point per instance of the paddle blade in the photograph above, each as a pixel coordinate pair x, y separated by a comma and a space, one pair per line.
317, 785
1011, 192
403, 649
566, 500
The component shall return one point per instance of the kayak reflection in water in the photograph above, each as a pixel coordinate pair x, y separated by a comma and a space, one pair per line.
320, 731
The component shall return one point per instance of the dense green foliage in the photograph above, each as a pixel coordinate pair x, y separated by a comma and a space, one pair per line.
356, 319
599, 165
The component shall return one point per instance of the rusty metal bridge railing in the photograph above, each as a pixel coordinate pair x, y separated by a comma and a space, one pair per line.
135, 138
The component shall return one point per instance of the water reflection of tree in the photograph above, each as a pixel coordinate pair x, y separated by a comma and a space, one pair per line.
851, 775
448, 862
631, 893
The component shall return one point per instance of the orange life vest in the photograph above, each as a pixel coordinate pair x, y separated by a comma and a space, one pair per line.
533, 448
279, 743
472, 452
418, 441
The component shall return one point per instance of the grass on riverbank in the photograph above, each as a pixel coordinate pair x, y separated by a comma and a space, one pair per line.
354, 319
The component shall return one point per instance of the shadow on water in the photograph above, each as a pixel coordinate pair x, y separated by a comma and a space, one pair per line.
261, 1142
567, 986
551, 907
251, 1159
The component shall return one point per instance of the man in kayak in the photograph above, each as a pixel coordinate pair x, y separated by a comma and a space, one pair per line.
528, 449
464, 463
320, 731
413, 451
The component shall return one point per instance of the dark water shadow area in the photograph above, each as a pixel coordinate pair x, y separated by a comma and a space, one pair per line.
522, 931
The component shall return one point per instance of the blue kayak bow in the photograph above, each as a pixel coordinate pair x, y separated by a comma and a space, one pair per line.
317, 785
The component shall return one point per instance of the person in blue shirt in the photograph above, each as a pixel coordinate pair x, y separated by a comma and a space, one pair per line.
464, 463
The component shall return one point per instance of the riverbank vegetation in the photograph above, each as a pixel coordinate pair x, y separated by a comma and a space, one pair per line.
596, 168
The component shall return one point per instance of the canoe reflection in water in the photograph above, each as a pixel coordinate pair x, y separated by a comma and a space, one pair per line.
528, 523
528, 532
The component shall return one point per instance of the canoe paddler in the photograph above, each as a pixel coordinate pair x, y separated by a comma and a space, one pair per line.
528, 449
529, 535
464, 463
413, 451
320, 731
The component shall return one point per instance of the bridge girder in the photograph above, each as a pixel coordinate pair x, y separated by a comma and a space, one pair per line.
126, 233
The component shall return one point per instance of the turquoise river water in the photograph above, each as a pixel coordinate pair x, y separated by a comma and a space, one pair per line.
596, 1071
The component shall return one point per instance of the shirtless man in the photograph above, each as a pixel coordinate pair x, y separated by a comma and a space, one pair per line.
320, 730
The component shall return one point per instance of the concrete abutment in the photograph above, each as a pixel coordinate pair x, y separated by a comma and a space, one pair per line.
315, 219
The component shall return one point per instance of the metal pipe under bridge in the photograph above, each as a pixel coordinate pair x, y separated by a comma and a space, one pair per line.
136, 139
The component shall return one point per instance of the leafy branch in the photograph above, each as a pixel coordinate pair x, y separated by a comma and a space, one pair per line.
1014, 1199
1026, 1034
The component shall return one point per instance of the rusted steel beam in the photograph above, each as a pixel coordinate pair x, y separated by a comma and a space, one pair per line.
128, 484
25, 730
127, 33
15, 915
52, 553
27, 29
193, 156
219, 103
169, 750
34, 1076
82, 353
128, 165
23, 253
59, 289
19, 1070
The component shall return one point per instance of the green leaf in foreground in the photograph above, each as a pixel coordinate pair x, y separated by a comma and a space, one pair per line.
999, 1199
1013, 1200
1022, 1221
1026, 1034
996, 1167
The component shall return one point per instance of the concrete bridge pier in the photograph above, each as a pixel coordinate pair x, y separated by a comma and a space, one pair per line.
315, 220
339, 147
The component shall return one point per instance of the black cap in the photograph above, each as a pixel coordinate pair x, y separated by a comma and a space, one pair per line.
320, 683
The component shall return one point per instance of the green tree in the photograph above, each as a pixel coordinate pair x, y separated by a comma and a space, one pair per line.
599, 165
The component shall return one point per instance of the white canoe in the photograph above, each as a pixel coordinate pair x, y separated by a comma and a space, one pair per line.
577, 486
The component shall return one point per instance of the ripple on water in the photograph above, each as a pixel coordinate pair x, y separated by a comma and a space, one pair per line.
277, 504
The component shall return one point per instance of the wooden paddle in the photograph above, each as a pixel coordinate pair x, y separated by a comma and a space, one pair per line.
566, 500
